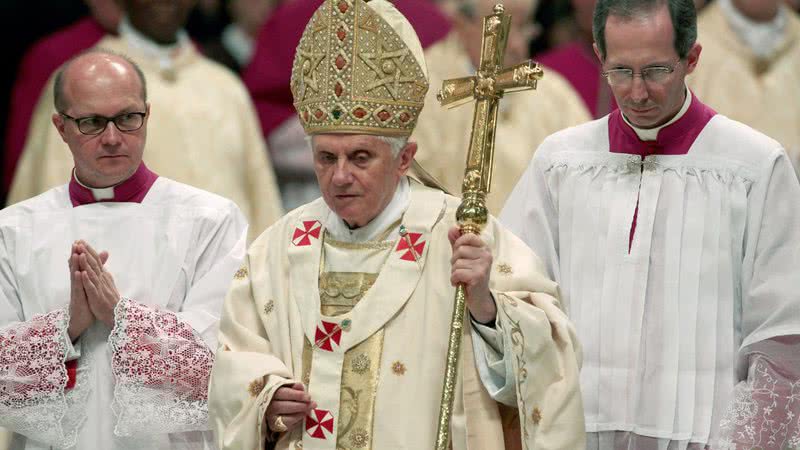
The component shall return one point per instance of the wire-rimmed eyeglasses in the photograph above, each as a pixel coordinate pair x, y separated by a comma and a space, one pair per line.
652, 74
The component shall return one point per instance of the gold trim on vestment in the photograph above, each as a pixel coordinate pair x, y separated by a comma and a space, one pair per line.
339, 293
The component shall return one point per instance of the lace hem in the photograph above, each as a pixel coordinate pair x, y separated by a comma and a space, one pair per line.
33, 378
765, 412
161, 366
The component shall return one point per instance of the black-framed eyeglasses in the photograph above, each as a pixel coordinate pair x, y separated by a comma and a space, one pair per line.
94, 125
652, 74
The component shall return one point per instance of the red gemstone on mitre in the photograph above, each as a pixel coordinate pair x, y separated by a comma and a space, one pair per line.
343, 7
318, 114
340, 62
360, 113
405, 117
384, 115
341, 34
305, 116
338, 89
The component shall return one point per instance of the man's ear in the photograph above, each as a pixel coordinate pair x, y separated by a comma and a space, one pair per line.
693, 57
60, 125
407, 157
597, 52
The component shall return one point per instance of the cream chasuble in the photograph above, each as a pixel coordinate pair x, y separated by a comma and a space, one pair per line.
364, 324
524, 120
762, 92
202, 131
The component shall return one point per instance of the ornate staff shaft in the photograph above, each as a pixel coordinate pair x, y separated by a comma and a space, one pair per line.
487, 87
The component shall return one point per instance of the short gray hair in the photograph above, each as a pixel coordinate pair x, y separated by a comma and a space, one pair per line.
396, 143
682, 13
59, 99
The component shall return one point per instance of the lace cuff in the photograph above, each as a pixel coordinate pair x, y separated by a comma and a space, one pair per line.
161, 366
33, 378
765, 412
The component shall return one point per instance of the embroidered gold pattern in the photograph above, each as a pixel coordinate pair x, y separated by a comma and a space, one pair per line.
518, 346
505, 269
536, 416
398, 368
360, 363
240, 274
256, 386
359, 438
269, 306
339, 293
343, 290
352, 72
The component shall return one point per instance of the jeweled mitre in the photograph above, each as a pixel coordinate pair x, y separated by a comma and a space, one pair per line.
359, 68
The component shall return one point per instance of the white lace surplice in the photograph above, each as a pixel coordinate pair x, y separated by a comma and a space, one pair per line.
172, 257
713, 266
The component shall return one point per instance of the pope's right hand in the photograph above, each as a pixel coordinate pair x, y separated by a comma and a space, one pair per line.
290, 404
80, 315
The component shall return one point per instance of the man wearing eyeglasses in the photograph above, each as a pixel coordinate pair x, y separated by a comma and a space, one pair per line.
672, 231
111, 284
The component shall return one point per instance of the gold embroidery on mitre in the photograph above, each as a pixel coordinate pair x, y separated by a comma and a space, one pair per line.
352, 73
505, 269
256, 386
240, 274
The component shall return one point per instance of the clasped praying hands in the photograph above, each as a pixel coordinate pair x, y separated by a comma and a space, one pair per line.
93, 293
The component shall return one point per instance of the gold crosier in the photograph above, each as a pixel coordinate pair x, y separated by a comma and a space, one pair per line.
486, 88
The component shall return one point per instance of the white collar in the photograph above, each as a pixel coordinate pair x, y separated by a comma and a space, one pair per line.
238, 44
391, 213
651, 134
164, 54
763, 38
98, 193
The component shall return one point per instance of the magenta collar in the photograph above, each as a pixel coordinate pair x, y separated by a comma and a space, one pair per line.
132, 190
674, 139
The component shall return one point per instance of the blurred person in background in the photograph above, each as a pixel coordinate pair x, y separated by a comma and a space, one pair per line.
202, 113
234, 46
524, 118
751, 67
576, 61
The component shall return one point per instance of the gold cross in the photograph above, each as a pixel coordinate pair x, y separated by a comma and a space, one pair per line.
487, 88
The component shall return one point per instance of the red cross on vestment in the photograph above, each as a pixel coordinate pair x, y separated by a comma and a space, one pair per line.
319, 424
330, 332
302, 235
414, 250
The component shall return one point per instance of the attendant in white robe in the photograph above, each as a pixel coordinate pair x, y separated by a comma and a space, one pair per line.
336, 335
673, 232
110, 285
205, 131
751, 67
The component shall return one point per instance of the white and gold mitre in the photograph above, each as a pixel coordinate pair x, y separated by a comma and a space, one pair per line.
359, 68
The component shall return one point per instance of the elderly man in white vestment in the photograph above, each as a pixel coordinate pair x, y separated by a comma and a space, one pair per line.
111, 284
673, 232
334, 335
205, 132
751, 67
523, 122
